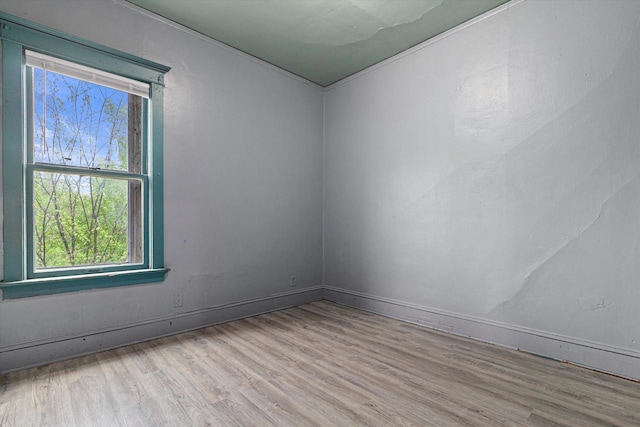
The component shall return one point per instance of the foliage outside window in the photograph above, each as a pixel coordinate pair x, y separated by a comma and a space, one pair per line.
78, 219
82, 164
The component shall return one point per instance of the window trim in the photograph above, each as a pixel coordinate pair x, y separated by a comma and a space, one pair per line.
17, 35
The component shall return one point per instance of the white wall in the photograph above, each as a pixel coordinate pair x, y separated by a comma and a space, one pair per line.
243, 190
493, 176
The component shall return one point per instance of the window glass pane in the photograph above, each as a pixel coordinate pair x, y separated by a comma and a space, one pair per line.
78, 123
84, 221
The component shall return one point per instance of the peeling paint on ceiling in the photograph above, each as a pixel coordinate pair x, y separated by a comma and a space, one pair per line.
344, 22
320, 40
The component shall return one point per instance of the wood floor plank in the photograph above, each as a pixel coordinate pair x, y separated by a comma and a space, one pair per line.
315, 365
8, 413
131, 398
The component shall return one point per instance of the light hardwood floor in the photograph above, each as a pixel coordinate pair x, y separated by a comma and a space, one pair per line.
318, 364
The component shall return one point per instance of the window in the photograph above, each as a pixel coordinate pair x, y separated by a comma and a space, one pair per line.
82, 164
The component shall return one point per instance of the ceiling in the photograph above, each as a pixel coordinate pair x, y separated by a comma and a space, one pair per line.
320, 40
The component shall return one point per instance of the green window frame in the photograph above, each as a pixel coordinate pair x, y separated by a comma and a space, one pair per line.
21, 279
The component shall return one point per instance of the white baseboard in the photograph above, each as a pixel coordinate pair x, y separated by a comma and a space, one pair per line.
601, 357
27, 355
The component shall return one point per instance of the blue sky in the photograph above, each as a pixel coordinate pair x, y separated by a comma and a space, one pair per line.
77, 125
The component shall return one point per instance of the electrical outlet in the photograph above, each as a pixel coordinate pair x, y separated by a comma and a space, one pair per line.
177, 300
294, 281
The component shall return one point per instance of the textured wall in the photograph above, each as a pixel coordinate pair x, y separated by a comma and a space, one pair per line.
243, 179
494, 173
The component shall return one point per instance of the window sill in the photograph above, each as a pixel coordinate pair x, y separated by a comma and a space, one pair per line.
56, 285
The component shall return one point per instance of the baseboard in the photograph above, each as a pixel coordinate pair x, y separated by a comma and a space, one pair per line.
618, 361
32, 354
601, 357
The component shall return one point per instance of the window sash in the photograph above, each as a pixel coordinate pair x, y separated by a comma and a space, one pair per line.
79, 170
32, 271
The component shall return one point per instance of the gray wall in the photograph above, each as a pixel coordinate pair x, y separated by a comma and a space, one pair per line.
492, 177
243, 191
